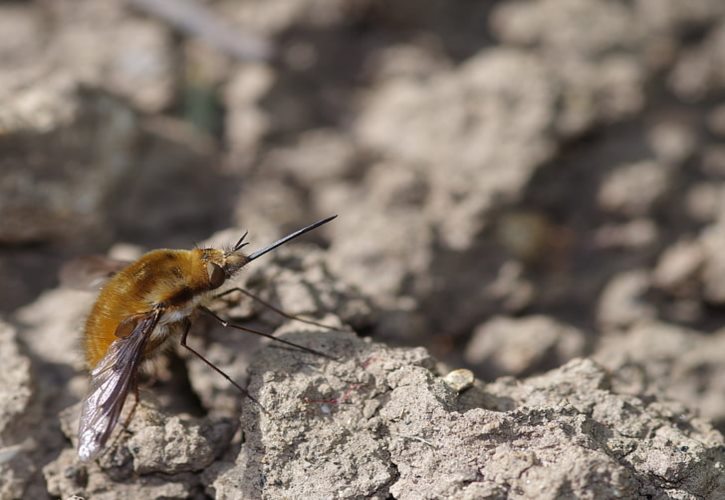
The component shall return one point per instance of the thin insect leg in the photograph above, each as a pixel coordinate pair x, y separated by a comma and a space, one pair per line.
227, 324
136, 398
274, 308
126, 421
216, 368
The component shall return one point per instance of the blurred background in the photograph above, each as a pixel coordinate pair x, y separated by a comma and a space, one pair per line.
518, 182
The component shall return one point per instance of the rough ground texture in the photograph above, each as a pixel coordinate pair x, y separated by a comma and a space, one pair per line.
395, 428
519, 183
382, 422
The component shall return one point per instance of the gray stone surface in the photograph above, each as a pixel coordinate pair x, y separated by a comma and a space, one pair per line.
381, 421
18, 414
508, 346
654, 358
564, 432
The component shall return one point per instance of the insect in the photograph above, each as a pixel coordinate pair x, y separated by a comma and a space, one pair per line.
141, 306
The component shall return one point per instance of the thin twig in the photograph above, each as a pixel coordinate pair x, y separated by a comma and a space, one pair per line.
196, 19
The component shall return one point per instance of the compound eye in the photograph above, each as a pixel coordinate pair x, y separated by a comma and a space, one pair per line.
216, 275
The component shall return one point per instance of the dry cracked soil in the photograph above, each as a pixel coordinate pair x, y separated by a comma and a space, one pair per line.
525, 284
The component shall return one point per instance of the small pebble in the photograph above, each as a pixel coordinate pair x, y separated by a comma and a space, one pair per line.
459, 380
371, 406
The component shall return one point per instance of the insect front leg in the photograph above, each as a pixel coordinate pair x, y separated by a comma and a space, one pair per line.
274, 308
228, 324
187, 327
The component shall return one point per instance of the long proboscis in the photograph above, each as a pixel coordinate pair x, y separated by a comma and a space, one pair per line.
287, 238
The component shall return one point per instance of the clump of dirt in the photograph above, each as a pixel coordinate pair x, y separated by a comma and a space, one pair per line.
382, 422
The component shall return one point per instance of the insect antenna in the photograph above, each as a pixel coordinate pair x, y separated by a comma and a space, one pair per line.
239, 244
287, 238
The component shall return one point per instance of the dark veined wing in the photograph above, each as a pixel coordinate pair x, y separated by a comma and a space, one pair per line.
111, 380
89, 272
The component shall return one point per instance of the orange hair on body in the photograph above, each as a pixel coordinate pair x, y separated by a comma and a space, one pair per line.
175, 278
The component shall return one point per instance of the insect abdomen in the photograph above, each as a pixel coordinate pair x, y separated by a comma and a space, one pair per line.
157, 277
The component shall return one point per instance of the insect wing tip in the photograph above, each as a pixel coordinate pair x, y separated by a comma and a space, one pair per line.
87, 451
111, 380
90, 430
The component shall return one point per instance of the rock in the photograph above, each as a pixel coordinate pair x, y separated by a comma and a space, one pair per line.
600, 83
178, 446
392, 258
673, 142
679, 267
54, 186
435, 118
567, 428
81, 157
264, 209
679, 274
407, 60
160, 457
636, 234
459, 380
521, 346
52, 329
66, 478
53, 325
657, 358
698, 72
318, 159
526, 22
438, 142
17, 387
18, 415
649, 30
247, 122
22, 50
631, 419
704, 201
713, 272
114, 49
622, 300
633, 190
380, 421
44, 198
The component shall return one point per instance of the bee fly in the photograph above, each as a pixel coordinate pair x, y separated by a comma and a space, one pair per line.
141, 306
